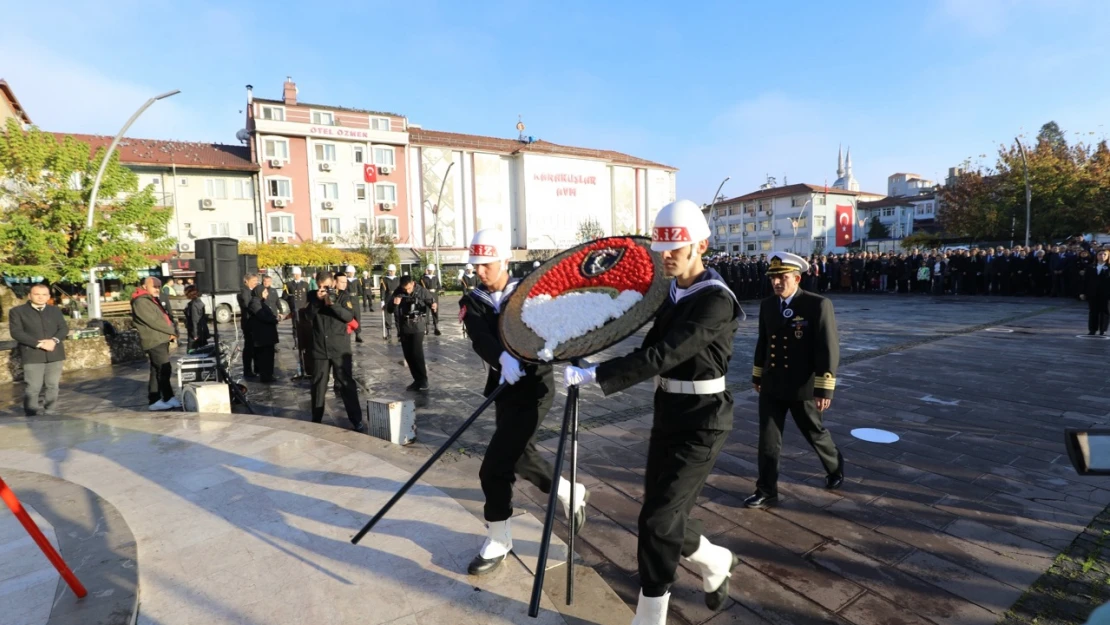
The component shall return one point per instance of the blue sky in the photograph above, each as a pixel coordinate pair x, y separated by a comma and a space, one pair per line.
740, 88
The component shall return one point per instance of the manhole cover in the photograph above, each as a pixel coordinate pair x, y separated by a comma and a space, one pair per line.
1000, 330
872, 435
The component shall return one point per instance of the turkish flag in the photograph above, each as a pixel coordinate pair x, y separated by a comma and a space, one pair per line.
843, 225
369, 173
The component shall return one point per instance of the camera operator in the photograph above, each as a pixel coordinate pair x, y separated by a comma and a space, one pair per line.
411, 303
329, 312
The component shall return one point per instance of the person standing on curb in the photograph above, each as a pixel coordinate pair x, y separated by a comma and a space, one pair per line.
40, 330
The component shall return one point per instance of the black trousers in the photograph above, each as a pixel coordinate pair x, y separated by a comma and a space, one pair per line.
677, 465
367, 304
412, 345
158, 386
772, 419
512, 448
344, 379
264, 362
357, 309
1098, 315
248, 352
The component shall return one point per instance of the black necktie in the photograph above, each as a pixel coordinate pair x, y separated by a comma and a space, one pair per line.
783, 309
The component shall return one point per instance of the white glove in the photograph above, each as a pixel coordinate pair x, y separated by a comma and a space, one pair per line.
510, 368
576, 376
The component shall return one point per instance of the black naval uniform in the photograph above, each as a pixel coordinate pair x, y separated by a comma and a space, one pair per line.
244, 301
296, 295
796, 356
431, 285
331, 348
518, 410
367, 287
1097, 292
411, 324
469, 283
386, 286
354, 291
690, 340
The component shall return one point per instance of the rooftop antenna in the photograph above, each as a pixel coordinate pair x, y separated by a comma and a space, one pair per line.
520, 129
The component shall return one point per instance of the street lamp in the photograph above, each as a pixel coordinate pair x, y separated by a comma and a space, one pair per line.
93, 289
435, 211
713, 212
798, 221
1028, 189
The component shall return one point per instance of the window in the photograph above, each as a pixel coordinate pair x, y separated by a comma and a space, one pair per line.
732, 210
281, 223
215, 188
329, 225
219, 229
363, 225
765, 224
281, 188
820, 200
327, 190
358, 154
721, 229
749, 227
385, 193
325, 151
798, 202
273, 113
765, 246
246, 229
749, 247
387, 225
276, 149
242, 189
383, 156
323, 118
818, 221
734, 228
736, 248
156, 181
765, 206
721, 212
360, 192
380, 123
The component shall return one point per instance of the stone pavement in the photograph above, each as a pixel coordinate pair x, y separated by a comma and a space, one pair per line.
949, 525
27, 579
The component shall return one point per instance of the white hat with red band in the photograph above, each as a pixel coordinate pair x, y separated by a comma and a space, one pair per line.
490, 245
678, 224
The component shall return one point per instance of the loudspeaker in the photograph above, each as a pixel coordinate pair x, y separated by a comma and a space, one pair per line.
248, 263
221, 265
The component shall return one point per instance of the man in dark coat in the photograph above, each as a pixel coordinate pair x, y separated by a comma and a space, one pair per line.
330, 313
40, 330
518, 410
410, 304
687, 350
796, 356
157, 335
296, 293
354, 292
1097, 294
196, 319
366, 285
264, 330
386, 286
246, 292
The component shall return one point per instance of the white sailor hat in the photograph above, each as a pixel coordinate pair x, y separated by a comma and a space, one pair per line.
785, 262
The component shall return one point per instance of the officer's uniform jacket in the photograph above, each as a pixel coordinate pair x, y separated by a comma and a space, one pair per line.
354, 289
481, 317
367, 287
329, 325
469, 283
797, 352
296, 295
387, 285
691, 339
431, 284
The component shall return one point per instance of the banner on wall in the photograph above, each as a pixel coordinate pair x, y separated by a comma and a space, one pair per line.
844, 225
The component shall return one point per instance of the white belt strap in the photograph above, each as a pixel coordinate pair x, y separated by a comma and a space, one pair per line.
688, 387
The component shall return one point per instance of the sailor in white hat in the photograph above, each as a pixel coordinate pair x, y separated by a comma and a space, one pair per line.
431, 284
354, 291
386, 287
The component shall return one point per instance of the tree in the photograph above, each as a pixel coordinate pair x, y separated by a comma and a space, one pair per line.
920, 240
44, 206
877, 230
589, 229
307, 254
1051, 135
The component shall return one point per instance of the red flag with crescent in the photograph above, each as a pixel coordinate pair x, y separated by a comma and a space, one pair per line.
843, 225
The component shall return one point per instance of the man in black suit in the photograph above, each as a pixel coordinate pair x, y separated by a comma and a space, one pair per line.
796, 356
246, 293
330, 312
39, 328
1097, 293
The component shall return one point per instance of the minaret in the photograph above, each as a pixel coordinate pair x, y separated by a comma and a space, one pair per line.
852, 183
840, 160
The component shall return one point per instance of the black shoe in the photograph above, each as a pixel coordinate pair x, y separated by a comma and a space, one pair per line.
415, 386
387, 337
438, 333
362, 428
250, 376
423, 386
358, 339
834, 480
714, 600
481, 566
266, 380
759, 501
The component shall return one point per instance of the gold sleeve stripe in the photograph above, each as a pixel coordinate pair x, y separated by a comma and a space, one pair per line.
827, 383
757, 372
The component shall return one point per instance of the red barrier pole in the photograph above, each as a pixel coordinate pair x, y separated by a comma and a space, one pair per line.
51, 554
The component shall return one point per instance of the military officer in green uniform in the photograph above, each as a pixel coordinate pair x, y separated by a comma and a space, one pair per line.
794, 370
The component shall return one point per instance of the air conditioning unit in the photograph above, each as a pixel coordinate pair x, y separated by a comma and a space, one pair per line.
208, 204
279, 203
769, 212
386, 206
328, 205
385, 170
279, 239
327, 238
276, 163
325, 166
775, 233
184, 247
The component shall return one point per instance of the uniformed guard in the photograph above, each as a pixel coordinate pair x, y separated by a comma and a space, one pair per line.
469, 279
296, 293
366, 285
518, 410
796, 356
354, 291
687, 350
386, 286
410, 303
431, 284
329, 312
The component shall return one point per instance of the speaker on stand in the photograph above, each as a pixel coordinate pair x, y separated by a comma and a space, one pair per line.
220, 274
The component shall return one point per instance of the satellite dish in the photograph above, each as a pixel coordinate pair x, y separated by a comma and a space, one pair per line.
243, 135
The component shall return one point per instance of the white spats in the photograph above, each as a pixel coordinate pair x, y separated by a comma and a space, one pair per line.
558, 319
499, 542
562, 491
714, 563
651, 610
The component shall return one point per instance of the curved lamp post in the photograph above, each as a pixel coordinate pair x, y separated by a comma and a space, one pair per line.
435, 212
1028, 190
92, 292
798, 221
713, 213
